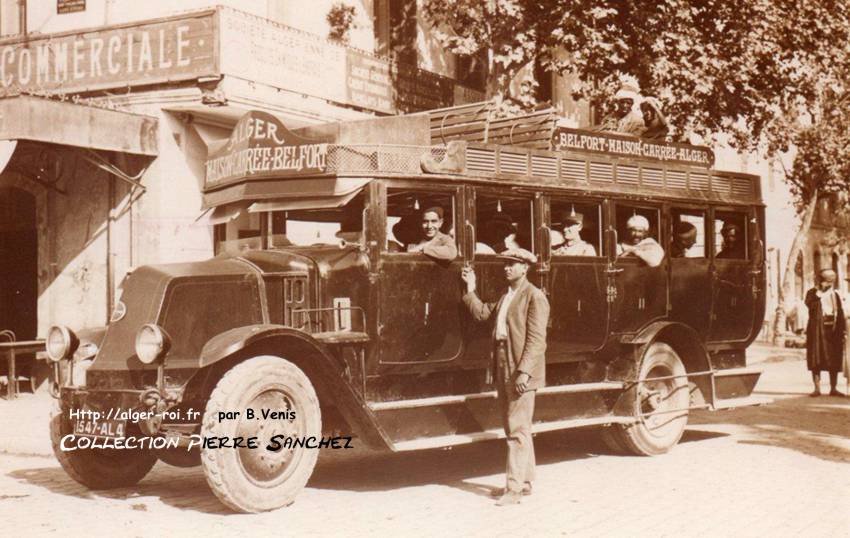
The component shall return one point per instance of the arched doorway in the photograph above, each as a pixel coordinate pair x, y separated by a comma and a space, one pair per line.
18, 265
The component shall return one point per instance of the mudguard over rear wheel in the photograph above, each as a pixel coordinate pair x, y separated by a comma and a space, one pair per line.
659, 403
258, 479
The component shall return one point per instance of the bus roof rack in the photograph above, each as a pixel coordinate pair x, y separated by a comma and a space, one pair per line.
476, 122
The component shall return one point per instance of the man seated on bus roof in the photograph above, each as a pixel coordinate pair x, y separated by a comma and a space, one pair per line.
573, 244
733, 243
684, 237
432, 242
639, 243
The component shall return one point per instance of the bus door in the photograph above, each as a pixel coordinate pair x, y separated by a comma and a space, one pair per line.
500, 222
577, 278
641, 276
690, 272
420, 296
733, 306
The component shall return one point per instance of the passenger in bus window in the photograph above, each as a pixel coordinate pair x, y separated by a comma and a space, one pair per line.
432, 242
733, 242
639, 243
404, 232
684, 237
499, 235
573, 245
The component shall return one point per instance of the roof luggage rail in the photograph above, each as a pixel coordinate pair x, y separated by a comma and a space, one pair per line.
474, 122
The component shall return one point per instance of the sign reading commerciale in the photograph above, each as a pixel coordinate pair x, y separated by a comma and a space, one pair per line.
261, 147
628, 146
173, 49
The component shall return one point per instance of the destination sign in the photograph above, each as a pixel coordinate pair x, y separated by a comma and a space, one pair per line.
614, 144
261, 147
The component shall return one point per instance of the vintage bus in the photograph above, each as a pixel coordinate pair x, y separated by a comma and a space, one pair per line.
314, 303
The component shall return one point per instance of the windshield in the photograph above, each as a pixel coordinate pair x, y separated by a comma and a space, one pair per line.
301, 227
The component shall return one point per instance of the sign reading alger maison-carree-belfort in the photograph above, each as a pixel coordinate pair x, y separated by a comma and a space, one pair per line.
160, 51
564, 138
262, 147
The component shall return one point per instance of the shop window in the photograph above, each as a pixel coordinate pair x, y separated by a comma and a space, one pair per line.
688, 234
411, 215
576, 228
730, 235
503, 223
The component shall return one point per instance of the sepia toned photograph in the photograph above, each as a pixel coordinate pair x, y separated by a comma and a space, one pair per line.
425, 268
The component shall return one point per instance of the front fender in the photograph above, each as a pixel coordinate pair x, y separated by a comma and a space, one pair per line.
313, 357
225, 344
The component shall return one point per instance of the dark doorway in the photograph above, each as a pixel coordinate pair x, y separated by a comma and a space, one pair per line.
18, 264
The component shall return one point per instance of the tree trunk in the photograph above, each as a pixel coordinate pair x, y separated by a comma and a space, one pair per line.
790, 268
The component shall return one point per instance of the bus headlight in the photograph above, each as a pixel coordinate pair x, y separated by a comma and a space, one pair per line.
151, 343
61, 343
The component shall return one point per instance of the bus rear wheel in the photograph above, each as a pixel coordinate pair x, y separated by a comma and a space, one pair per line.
659, 403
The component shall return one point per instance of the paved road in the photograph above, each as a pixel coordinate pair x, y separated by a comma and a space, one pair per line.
779, 470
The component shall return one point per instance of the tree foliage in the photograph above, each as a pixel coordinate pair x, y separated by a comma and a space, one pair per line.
772, 74
744, 67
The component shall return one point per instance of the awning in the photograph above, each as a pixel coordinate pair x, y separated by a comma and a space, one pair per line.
26, 117
327, 202
225, 213
323, 189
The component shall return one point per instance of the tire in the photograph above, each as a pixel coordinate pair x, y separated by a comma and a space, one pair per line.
256, 480
99, 468
610, 436
659, 432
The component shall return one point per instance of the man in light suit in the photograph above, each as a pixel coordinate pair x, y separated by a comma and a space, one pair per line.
519, 345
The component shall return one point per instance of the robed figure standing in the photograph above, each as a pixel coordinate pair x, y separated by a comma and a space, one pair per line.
825, 332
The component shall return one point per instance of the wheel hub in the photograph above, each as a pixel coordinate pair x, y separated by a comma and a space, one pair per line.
261, 464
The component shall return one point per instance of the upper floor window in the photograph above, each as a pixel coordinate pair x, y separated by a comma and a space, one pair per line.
10, 17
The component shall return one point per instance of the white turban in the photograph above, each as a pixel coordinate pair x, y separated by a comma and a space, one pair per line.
638, 222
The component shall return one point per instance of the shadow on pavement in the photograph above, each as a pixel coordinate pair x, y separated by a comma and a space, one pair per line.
817, 427
180, 488
379, 471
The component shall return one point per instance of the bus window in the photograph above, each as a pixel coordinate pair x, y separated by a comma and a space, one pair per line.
576, 229
502, 224
689, 233
730, 235
407, 211
637, 229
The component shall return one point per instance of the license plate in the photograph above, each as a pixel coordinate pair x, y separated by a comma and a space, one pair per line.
110, 428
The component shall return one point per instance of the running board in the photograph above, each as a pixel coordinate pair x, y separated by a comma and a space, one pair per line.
462, 398
732, 403
540, 427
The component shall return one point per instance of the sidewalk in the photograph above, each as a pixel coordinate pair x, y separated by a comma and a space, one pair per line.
24, 422
759, 352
